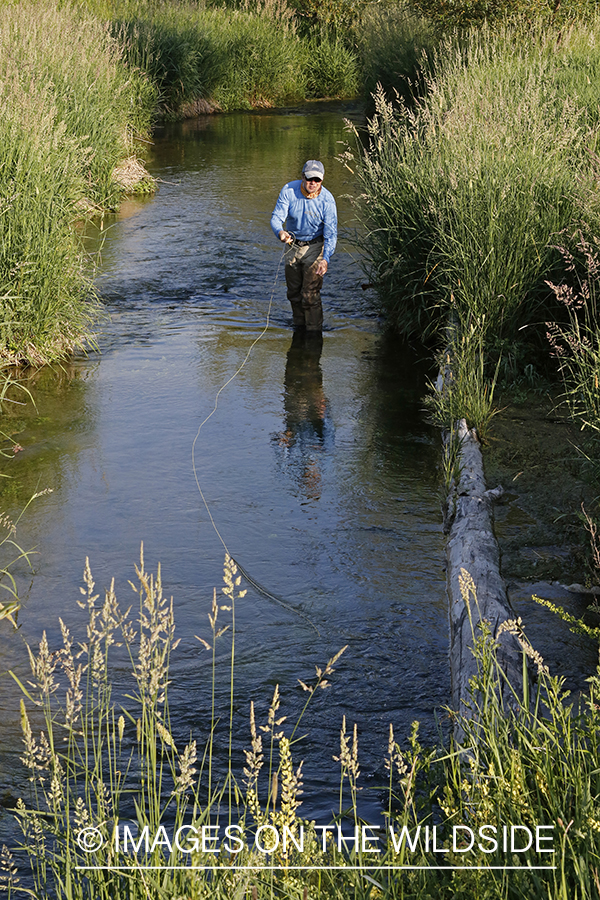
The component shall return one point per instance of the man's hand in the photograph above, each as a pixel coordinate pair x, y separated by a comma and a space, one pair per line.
285, 236
322, 267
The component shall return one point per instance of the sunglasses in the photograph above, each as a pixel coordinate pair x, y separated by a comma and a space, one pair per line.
318, 180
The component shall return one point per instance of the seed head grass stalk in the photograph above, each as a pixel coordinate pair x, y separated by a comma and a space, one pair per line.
575, 337
462, 195
104, 765
12, 553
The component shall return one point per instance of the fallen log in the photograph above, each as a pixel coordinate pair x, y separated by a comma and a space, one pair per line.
476, 590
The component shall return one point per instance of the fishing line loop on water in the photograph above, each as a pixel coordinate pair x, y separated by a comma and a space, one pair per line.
243, 571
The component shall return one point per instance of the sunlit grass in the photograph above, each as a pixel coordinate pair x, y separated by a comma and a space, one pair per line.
68, 114
78, 84
238, 57
103, 763
463, 195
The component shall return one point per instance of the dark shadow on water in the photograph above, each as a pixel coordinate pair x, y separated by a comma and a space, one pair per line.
308, 430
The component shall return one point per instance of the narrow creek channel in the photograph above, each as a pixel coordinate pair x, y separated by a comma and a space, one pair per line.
319, 467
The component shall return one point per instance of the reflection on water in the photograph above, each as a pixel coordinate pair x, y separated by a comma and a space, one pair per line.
318, 466
308, 430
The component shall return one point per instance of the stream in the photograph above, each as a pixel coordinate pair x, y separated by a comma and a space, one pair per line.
318, 467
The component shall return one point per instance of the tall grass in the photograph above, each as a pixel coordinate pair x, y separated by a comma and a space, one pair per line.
98, 102
332, 68
237, 58
77, 85
534, 765
68, 113
466, 391
576, 342
393, 42
105, 762
463, 194
44, 290
248, 56
10, 554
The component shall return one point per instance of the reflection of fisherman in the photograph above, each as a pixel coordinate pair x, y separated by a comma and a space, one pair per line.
309, 214
302, 442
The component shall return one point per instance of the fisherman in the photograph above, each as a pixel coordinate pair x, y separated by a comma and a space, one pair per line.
305, 218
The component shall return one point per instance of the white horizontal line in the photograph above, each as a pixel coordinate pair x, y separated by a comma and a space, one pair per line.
300, 868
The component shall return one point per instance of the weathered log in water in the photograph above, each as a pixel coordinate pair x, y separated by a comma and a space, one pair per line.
472, 548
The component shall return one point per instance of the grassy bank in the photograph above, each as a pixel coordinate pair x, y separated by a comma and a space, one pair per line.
67, 118
101, 765
233, 58
78, 84
481, 203
466, 196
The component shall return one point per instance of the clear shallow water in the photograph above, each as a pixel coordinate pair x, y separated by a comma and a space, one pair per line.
318, 466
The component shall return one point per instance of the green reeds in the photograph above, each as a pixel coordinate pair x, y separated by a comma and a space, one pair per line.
98, 102
235, 58
467, 391
332, 68
111, 787
463, 194
576, 342
74, 93
69, 110
394, 40
44, 311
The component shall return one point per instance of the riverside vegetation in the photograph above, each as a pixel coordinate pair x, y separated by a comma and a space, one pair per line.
79, 85
463, 136
436, 163
480, 197
67, 120
481, 203
468, 193
103, 762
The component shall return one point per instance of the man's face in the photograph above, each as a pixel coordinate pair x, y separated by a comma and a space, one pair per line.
312, 184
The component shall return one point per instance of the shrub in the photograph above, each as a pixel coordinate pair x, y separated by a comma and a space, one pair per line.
333, 16
332, 68
467, 13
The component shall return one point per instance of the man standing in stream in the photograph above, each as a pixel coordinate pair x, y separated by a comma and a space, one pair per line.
305, 218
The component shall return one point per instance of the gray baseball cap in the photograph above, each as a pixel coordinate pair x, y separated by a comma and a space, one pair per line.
313, 169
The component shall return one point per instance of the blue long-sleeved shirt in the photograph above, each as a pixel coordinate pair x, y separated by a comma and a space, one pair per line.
307, 218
